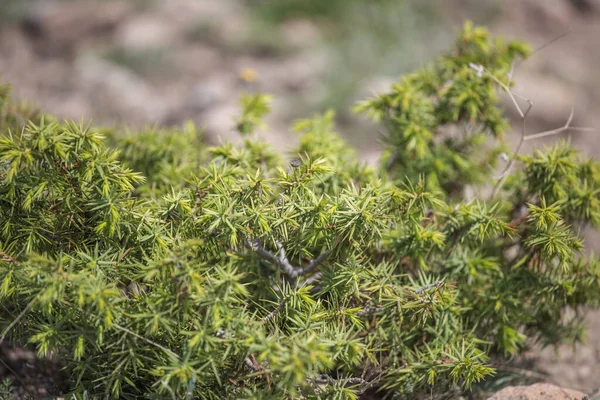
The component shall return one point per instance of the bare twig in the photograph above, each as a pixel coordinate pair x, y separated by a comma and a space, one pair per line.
516, 63
273, 313
21, 314
513, 96
511, 73
566, 127
523, 114
315, 263
524, 138
282, 261
550, 42
369, 310
431, 285
312, 279
199, 197
351, 381
18, 378
511, 162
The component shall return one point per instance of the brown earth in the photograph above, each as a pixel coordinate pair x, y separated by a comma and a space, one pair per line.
540, 391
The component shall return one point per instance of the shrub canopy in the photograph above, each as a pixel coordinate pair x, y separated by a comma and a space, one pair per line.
154, 266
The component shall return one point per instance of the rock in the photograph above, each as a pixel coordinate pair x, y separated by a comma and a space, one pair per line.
59, 27
186, 12
586, 7
542, 16
208, 94
571, 366
30, 373
234, 31
121, 92
219, 122
146, 32
300, 33
538, 391
374, 86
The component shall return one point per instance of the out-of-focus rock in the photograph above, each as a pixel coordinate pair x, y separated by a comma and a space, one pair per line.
234, 30
32, 376
219, 122
586, 6
147, 31
57, 28
125, 95
301, 72
198, 61
538, 391
186, 12
575, 366
375, 86
541, 16
208, 94
300, 33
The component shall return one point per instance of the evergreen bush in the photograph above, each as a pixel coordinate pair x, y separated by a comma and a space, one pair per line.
153, 266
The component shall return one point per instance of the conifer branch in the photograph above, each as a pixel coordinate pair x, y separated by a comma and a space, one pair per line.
282, 261
431, 285
314, 264
273, 313
312, 279
370, 310
321, 379
83, 226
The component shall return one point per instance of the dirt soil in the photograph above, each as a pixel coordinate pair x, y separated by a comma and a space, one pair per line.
133, 63
540, 391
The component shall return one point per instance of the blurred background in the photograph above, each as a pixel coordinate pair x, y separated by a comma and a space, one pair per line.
138, 62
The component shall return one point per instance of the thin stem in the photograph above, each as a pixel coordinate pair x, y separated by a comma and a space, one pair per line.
556, 39
283, 262
313, 265
513, 96
273, 313
431, 285
567, 126
12, 324
511, 162
371, 310
327, 379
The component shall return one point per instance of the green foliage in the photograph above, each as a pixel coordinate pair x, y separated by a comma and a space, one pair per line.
166, 269
167, 158
5, 389
438, 120
254, 108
